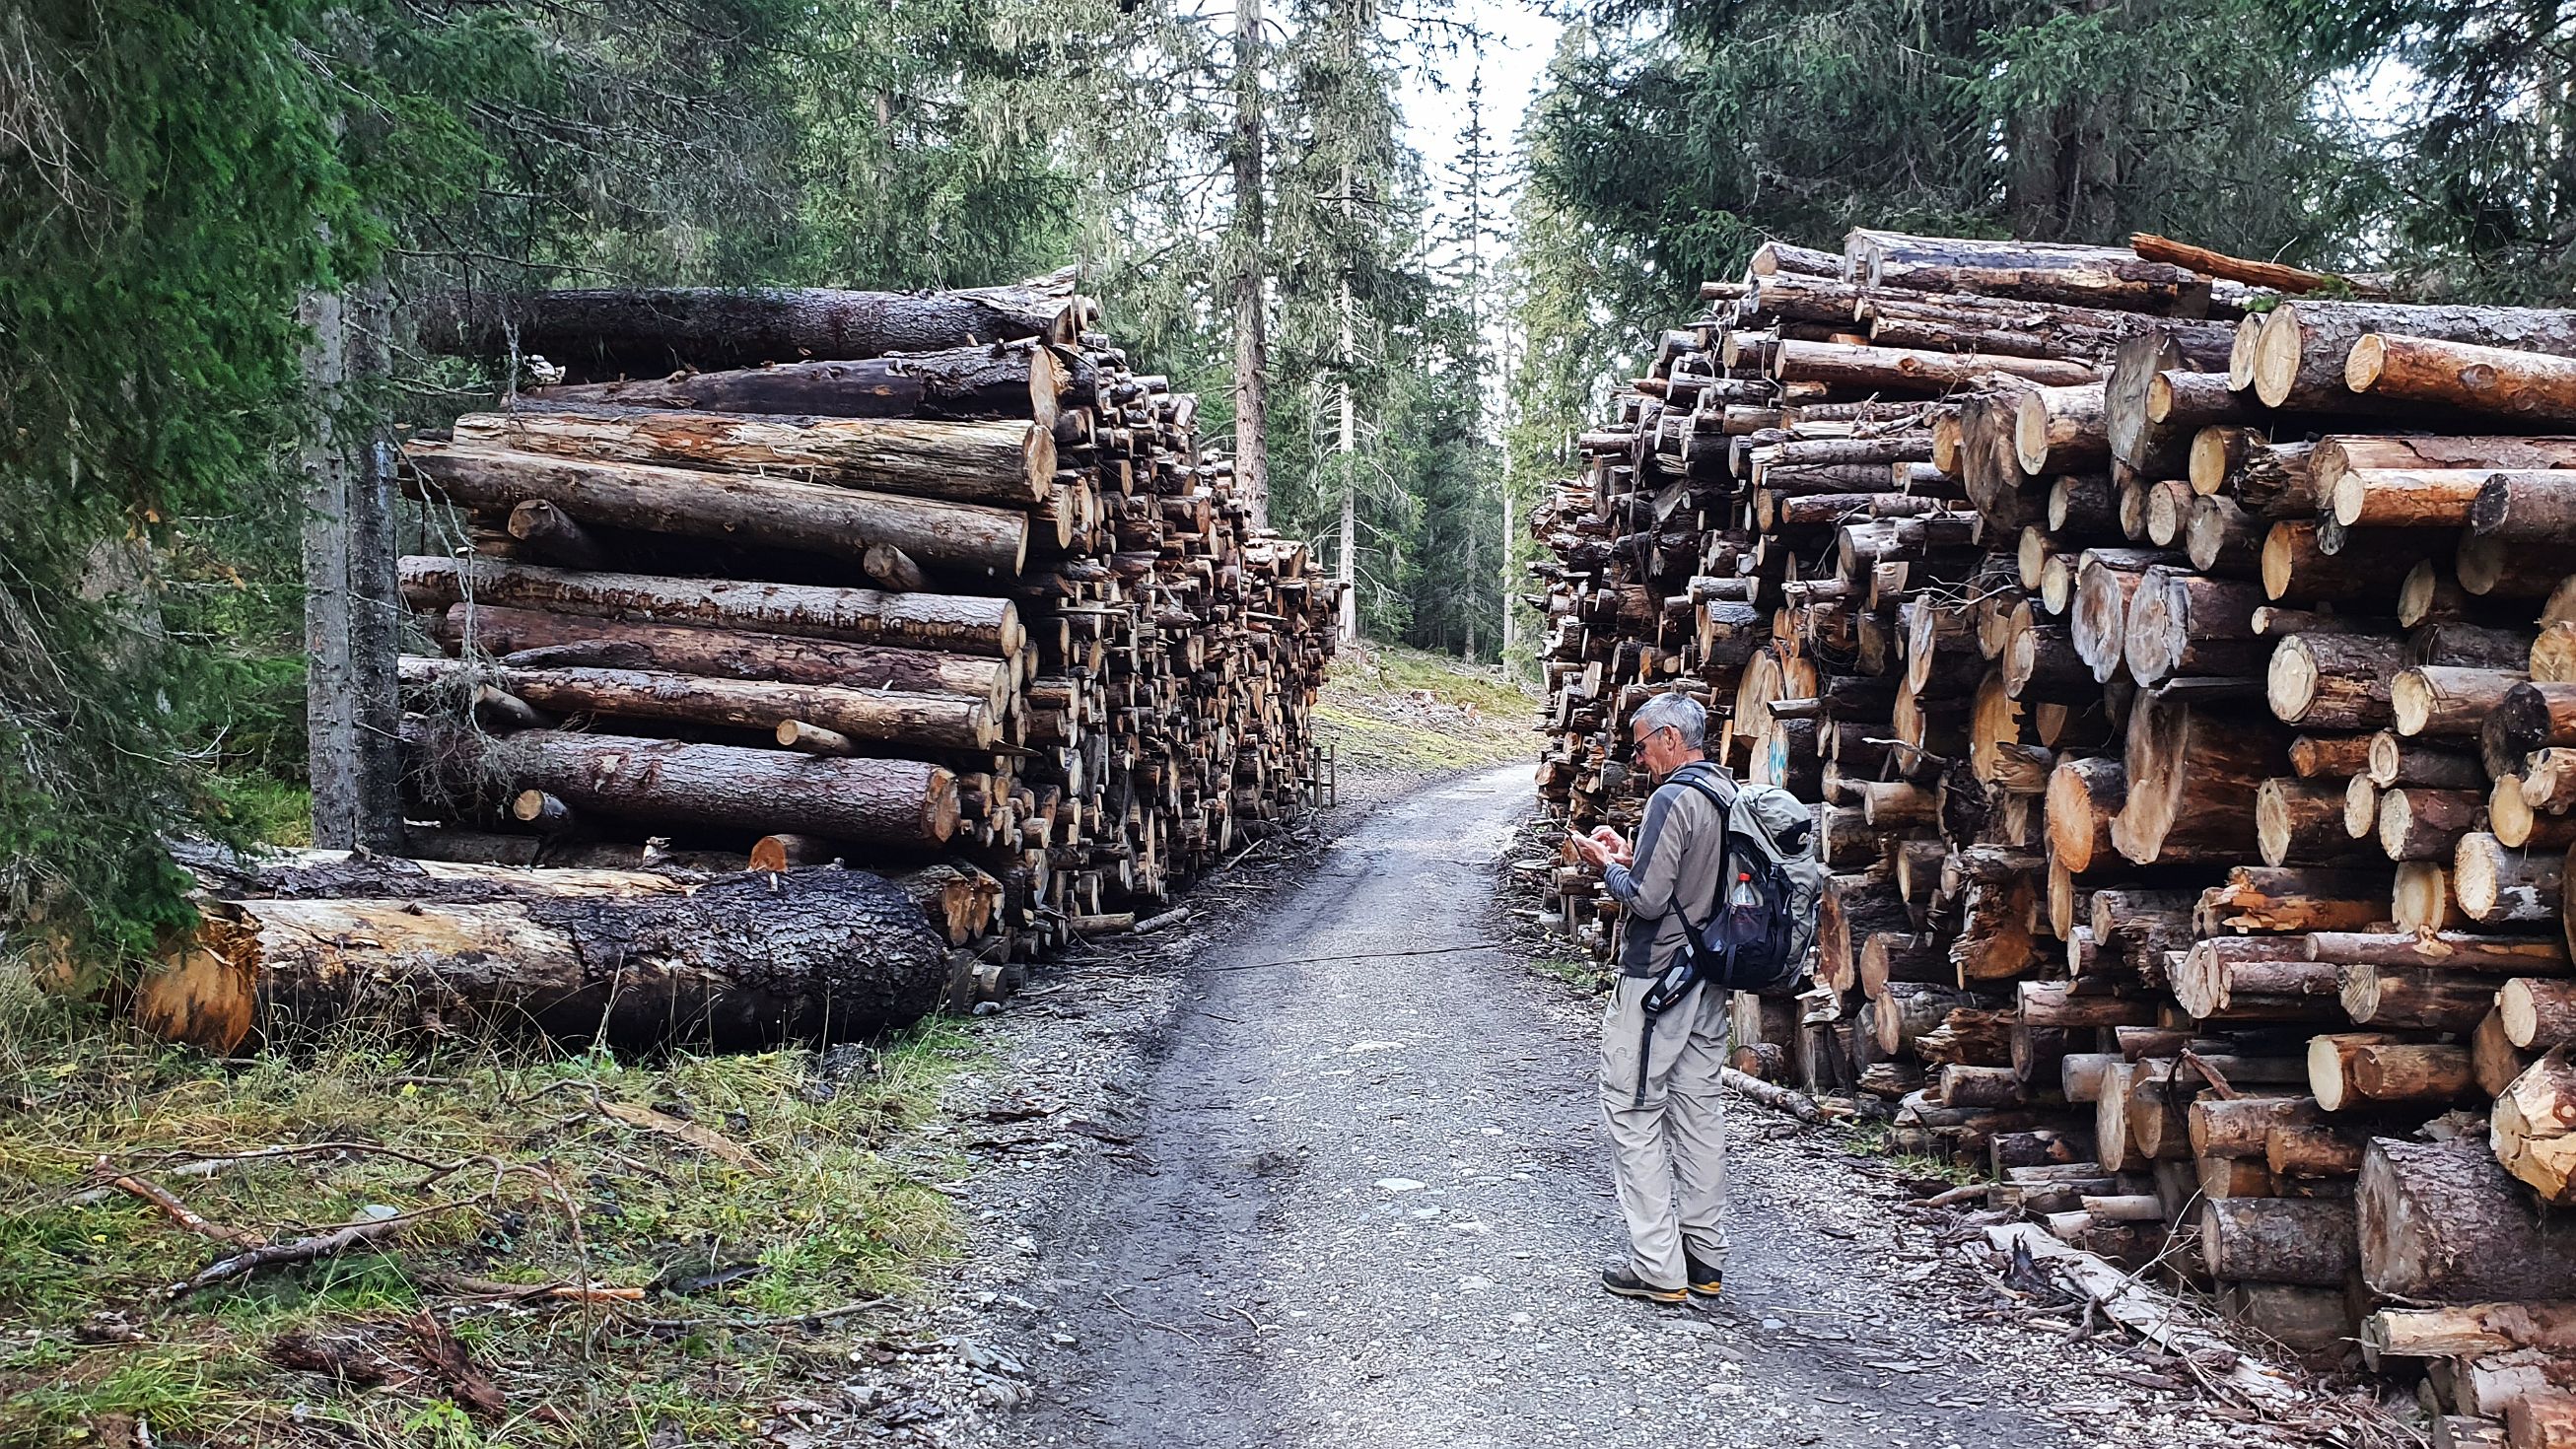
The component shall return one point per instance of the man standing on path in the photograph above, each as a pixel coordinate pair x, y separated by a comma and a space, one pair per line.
1659, 1073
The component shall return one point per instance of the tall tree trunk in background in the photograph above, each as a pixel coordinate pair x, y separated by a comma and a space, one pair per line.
1348, 451
1251, 328
350, 604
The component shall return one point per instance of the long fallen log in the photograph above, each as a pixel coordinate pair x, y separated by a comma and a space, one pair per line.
534, 638
1010, 464
1023, 380
747, 960
875, 802
933, 721
775, 512
965, 622
611, 332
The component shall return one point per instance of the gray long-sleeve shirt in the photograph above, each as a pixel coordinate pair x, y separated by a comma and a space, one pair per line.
1675, 870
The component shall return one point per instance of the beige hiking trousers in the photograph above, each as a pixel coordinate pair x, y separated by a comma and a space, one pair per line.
1670, 1150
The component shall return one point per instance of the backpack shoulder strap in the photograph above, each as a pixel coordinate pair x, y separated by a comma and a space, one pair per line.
1698, 781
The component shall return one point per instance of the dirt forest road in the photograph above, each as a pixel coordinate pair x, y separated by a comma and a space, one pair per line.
1366, 1205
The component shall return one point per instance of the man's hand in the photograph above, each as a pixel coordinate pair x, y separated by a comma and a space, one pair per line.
1603, 847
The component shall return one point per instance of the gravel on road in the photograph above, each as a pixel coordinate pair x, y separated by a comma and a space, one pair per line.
1332, 1175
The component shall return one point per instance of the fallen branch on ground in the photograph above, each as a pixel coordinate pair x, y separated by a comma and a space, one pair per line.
173, 1209
1796, 1104
783, 1320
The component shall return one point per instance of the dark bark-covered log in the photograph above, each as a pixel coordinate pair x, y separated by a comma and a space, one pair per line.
2297, 898
2398, 998
2531, 716
2427, 824
2181, 623
532, 638
1022, 381
2032, 271
740, 962
2192, 777
1009, 464
549, 533
2489, 566
2453, 951
1906, 371
2059, 429
2240, 1126
2224, 540
608, 332
892, 803
2537, 1013
2218, 972
966, 623
2441, 1222
773, 512
2413, 1072
2280, 1240
934, 721
1888, 956
2369, 564
2439, 700
2106, 582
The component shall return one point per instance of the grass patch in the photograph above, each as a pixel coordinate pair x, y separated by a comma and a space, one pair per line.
1878, 1139
1580, 971
827, 1208
1389, 707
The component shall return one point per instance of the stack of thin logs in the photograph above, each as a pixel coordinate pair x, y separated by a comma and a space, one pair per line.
2183, 666
753, 584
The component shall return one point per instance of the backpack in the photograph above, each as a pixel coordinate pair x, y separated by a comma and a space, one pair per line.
1763, 923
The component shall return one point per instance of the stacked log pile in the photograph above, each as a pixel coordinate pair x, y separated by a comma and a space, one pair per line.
985, 604
978, 619
2183, 670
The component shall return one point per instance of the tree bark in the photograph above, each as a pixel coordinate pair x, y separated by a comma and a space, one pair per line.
2537, 1013
2280, 1240
1008, 464
2444, 701
894, 803
2442, 1222
964, 623
1022, 381
2403, 998
531, 638
2031, 271
2500, 381
2450, 951
777, 512
2296, 566
739, 962
931, 721
1913, 372
608, 332
2305, 348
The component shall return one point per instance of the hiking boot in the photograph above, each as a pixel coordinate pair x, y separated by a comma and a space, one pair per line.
1705, 1281
1629, 1285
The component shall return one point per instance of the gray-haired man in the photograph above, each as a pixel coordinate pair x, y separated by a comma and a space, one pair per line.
1659, 1074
